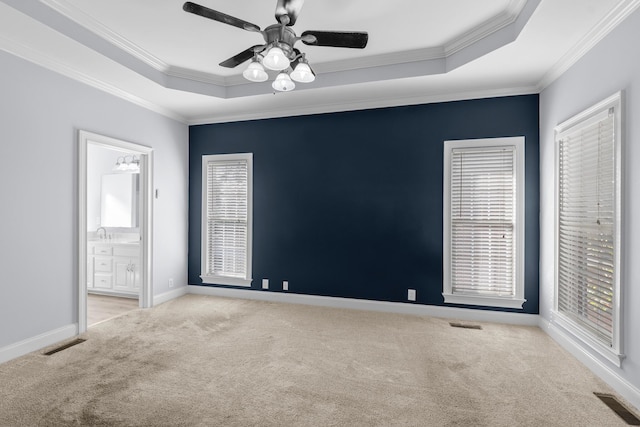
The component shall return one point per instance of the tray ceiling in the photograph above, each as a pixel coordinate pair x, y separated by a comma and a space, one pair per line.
419, 50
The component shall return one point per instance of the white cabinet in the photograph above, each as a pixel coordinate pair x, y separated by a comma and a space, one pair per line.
113, 268
126, 268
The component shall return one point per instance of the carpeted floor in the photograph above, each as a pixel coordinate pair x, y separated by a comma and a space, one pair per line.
205, 361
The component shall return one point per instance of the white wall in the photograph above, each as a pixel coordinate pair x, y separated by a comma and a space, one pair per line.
613, 65
40, 115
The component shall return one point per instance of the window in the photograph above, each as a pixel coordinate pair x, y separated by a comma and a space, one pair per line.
484, 222
588, 227
226, 219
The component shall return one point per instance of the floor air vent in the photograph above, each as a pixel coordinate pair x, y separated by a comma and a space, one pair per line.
464, 325
617, 407
64, 346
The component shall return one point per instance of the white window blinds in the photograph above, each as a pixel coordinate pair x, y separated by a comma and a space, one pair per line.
226, 221
586, 226
483, 222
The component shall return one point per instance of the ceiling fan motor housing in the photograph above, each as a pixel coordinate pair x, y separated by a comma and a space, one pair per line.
282, 37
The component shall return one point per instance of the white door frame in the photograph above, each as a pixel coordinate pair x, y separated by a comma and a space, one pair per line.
146, 217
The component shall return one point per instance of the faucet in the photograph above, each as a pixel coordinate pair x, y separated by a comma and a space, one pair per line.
98, 233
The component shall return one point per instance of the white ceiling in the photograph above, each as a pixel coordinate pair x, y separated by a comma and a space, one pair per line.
155, 54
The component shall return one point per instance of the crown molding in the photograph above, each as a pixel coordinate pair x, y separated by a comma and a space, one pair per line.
200, 76
618, 14
363, 104
498, 22
489, 35
71, 12
474, 35
36, 57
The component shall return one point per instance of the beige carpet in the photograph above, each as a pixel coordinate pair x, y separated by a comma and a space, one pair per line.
205, 361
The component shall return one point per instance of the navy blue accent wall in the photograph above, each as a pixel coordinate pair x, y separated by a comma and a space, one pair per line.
350, 204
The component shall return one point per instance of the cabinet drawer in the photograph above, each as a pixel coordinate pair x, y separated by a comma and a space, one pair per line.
102, 264
102, 281
128, 251
103, 250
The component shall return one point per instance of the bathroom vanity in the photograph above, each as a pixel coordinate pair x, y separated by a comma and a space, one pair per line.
113, 268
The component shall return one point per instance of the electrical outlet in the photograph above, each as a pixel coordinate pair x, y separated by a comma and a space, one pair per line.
265, 283
285, 285
171, 283
411, 295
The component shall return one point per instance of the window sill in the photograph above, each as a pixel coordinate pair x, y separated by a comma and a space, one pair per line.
226, 281
484, 301
574, 331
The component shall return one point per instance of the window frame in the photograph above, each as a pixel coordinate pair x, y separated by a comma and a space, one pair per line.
220, 279
517, 300
613, 354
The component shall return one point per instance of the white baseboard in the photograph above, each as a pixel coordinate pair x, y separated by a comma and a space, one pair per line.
168, 296
382, 306
607, 373
38, 342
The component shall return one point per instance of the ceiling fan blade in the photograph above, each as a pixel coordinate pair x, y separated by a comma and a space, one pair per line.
238, 59
196, 9
290, 8
354, 40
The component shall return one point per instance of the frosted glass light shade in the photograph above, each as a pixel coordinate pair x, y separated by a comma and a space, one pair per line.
255, 72
303, 73
283, 83
276, 59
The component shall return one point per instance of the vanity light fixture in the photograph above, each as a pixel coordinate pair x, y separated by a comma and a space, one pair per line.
129, 163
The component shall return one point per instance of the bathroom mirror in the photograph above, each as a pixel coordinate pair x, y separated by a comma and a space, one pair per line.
119, 200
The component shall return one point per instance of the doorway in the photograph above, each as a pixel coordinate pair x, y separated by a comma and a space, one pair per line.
131, 275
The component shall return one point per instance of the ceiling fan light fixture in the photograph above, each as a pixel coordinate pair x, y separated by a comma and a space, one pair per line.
255, 72
283, 83
302, 73
276, 59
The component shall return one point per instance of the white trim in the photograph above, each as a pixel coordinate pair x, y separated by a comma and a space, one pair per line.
73, 13
595, 365
487, 28
518, 142
488, 36
462, 41
601, 109
358, 105
571, 329
168, 296
593, 113
38, 342
204, 259
226, 281
43, 60
146, 213
40, 59
618, 14
483, 300
466, 314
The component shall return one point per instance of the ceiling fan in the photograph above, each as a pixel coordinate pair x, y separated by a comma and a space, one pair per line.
278, 52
